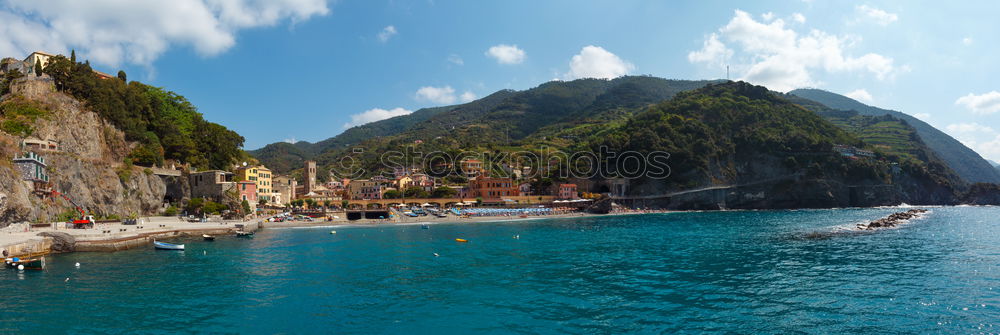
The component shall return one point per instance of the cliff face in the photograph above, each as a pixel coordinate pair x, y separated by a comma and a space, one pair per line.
88, 165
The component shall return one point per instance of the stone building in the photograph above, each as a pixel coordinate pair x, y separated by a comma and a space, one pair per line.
212, 184
284, 190
310, 177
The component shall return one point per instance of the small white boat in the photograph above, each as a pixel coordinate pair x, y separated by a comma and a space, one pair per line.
167, 246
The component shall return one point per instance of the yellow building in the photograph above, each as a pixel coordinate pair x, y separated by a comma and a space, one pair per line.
40, 57
260, 175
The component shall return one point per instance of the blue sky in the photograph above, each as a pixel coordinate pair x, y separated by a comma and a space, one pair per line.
303, 69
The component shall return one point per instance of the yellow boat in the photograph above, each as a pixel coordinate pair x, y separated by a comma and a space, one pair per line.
461, 240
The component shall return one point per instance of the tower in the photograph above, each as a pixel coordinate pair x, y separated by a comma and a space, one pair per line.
310, 176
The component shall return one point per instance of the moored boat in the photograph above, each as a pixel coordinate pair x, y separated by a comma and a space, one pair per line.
28, 263
167, 246
208, 237
244, 234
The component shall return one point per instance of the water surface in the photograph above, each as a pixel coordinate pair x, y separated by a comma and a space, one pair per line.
748, 271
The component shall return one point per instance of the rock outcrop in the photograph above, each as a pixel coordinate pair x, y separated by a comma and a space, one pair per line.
892, 220
88, 165
61, 242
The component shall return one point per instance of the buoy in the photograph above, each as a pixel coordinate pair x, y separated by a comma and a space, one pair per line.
461, 240
67, 279
333, 232
20, 267
204, 252
77, 264
517, 237
436, 255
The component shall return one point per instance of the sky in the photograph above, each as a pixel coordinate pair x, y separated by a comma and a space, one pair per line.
291, 70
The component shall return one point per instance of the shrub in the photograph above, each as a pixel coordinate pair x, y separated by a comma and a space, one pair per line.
170, 211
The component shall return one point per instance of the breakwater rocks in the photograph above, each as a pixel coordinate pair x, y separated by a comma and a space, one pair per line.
893, 219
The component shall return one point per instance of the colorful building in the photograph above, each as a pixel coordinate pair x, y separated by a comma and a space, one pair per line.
567, 191
365, 189
31, 166
259, 175
471, 167
493, 188
248, 192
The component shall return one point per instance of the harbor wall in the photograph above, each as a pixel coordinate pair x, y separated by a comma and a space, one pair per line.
41, 245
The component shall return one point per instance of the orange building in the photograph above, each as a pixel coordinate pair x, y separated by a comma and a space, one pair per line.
493, 188
567, 191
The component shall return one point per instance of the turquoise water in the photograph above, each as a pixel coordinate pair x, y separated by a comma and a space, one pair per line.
765, 271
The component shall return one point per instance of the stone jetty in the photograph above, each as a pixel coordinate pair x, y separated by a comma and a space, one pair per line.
893, 219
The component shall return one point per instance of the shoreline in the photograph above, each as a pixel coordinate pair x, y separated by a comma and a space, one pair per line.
116, 237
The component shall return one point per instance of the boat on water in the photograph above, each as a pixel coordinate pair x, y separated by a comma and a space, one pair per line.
167, 246
461, 240
244, 234
208, 237
423, 226
28, 263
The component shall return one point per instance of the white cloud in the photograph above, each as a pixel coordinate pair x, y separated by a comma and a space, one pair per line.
112, 32
291, 140
879, 16
387, 33
860, 95
986, 103
375, 114
989, 149
767, 16
926, 117
798, 17
965, 128
439, 95
967, 41
506, 54
712, 52
467, 96
781, 59
595, 62
455, 59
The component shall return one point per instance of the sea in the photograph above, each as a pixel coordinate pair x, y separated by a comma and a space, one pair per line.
793, 271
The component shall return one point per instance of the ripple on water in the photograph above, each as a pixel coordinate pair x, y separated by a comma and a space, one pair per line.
753, 271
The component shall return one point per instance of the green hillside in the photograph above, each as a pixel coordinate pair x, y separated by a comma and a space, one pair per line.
505, 117
968, 164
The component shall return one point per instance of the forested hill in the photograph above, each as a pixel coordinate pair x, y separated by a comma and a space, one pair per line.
165, 124
503, 116
967, 163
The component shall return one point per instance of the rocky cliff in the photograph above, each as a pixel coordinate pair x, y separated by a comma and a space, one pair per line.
88, 166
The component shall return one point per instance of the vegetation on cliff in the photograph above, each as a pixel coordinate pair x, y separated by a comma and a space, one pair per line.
165, 124
966, 163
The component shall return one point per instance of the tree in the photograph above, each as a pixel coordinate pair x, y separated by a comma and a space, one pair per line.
344, 203
261, 203
479, 201
38, 68
194, 206
121, 75
311, 203
392, 194
443, 192
415, 192
245, 205
72, 56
